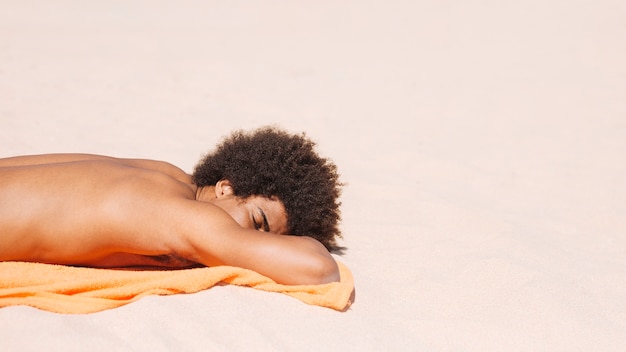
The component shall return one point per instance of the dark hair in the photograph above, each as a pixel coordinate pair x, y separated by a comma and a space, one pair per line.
273, 163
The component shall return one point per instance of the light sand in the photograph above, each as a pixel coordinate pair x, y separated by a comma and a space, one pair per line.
484, 147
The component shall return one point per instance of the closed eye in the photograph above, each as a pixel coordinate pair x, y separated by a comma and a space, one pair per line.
266, 225
257, 225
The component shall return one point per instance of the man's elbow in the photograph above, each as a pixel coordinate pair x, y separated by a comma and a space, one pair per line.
322, 267
326, 271
312, 265
331, 274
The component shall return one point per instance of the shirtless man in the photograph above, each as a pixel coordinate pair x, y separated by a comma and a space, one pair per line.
236, 209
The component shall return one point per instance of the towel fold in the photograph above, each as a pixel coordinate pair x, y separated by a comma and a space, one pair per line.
67, 289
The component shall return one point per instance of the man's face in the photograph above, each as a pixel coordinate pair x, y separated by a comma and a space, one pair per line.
256, 212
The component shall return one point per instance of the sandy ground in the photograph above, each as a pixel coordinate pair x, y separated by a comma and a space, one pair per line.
483, 143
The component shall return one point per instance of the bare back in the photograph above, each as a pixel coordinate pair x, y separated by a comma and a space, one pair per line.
91, 212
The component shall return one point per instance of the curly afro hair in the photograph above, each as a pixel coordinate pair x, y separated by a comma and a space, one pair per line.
273, 163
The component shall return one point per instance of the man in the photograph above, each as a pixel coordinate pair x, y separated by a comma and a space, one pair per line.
236, 209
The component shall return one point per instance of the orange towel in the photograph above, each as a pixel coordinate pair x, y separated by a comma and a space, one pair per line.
66, 289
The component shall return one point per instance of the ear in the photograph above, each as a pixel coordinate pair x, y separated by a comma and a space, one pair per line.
223, 188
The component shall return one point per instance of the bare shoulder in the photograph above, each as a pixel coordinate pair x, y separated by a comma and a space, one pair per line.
160, 166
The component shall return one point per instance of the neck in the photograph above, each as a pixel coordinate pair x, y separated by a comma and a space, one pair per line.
205, 193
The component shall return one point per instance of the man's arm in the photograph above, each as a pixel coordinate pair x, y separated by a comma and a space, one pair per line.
43, 159
212, 237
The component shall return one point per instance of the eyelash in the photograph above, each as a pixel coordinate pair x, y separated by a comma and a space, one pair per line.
256, 224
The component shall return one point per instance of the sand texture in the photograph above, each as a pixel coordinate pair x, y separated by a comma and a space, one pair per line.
483, 144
